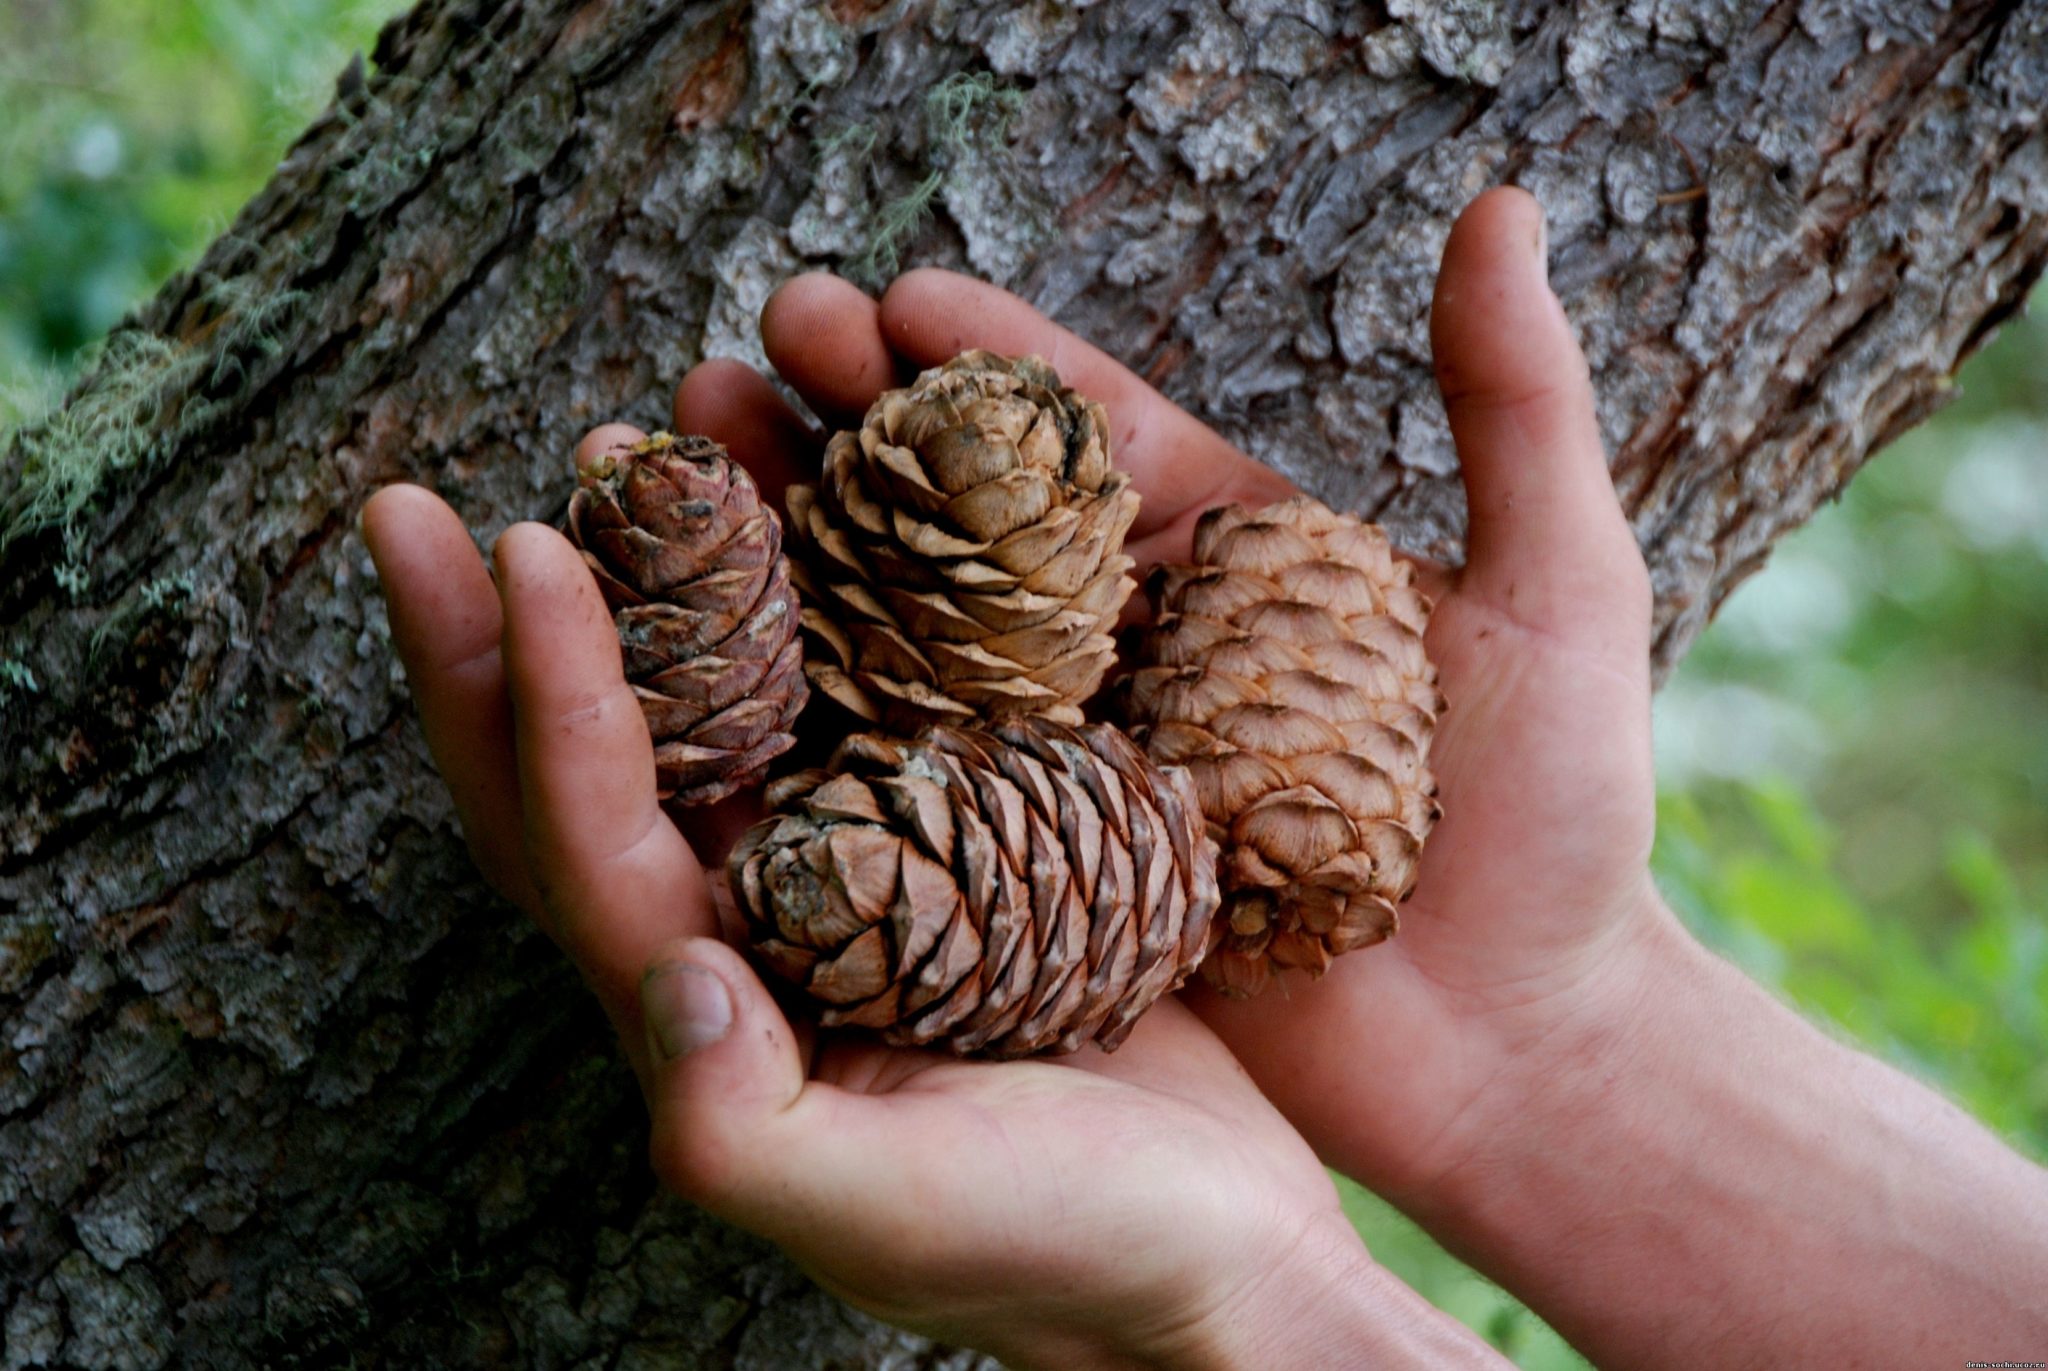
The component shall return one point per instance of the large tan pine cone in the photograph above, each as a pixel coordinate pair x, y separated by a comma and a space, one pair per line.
1022, 889
691, 564
961, 558
1286, 672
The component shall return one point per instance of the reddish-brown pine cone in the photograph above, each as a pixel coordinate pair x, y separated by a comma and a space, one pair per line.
691, 563
1024, 889
1286, 673
961, 558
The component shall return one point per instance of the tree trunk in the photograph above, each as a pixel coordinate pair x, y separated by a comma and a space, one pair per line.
280, 1082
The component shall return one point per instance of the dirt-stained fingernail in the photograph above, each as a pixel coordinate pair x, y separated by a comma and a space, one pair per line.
688, 1008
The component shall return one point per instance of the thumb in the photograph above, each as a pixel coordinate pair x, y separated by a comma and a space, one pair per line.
1549, 544
724, 1078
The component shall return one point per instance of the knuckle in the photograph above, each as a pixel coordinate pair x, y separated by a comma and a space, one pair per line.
1529, 398
585, 710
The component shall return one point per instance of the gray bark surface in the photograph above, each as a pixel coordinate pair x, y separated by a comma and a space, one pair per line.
281, 1084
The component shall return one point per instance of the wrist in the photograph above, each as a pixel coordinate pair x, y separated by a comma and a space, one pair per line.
1555, 1063
1686, 1128
1325, 1303
1530, 1066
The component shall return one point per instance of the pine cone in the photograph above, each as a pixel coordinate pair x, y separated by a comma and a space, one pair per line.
1019, 890
1286, 673
962, 558
691, 563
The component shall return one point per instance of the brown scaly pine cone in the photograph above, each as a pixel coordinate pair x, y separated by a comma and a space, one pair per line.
961, 558
690, 561
1286, 672
1024, 889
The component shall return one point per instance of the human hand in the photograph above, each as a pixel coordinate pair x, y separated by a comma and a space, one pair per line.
1542, 1066
1145, 1207
1535, 881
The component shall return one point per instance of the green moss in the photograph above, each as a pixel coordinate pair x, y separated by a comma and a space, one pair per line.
969, 109
168, 592
255, 325
28, 397
116, 421
16, 680
143, 395
165, 594
855, 140
893, 225
529, 135
556, 276
966, 115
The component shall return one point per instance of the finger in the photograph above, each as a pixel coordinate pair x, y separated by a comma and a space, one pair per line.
842, 1175
726, 1078
606, 440
1548, 542
825, 338
739, 1129
445, 624
1178, 464
731, 403
616, 874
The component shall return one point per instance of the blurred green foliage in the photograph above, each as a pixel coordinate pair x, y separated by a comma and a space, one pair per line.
130, 133
1854, 758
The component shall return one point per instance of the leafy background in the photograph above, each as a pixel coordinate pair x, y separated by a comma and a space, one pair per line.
1853, 760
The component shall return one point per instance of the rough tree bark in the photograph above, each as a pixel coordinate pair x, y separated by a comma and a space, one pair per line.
280, 1083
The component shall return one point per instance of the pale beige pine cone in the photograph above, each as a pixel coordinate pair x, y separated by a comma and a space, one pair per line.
961, 558
1286, 672
1023, 889
690, 562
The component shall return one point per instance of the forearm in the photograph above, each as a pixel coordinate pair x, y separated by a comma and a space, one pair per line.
1697, 1176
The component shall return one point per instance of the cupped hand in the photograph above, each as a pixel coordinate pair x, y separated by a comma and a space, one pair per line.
1398, 1062
1094, 1210
1041, 1209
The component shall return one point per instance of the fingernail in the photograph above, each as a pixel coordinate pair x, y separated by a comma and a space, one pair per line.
687, 1008
1543, 242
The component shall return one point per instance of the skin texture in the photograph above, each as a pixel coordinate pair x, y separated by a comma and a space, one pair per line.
1542, 1066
